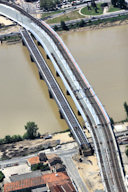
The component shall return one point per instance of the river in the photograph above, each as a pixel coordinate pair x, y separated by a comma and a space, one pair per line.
23, 97
102, 56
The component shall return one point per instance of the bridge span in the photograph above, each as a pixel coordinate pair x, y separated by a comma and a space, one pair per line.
86, 101
56, 93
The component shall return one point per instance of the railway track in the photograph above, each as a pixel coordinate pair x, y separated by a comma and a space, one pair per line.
115, 171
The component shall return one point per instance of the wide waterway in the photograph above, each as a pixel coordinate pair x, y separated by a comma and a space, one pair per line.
102, 56
23, 97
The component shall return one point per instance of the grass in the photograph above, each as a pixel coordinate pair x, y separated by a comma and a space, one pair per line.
66, 17
85, 10
113, 9
51, 13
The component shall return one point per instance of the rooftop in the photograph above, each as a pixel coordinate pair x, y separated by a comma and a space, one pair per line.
25, 176
33, 160
24, 184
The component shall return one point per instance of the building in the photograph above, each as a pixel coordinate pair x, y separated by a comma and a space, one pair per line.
33, 161
42, 157
54, 182
25, 185
59, 167
53, 161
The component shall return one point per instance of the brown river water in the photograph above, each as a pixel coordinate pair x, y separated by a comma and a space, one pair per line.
102, 56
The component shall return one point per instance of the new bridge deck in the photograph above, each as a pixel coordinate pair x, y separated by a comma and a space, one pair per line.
56, 91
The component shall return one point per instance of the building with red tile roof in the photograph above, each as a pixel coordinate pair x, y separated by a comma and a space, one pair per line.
57, 182
25, 184
33, 160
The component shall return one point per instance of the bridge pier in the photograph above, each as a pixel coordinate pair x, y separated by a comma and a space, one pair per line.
41, 76
67, 92
61, 115
38, 43
47, 56
50, 94
79, 114
57, 74
23, 43
31, 57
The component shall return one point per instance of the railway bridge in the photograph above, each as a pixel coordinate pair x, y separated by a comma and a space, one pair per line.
93, 113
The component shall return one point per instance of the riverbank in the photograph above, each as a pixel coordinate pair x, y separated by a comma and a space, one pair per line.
96, 26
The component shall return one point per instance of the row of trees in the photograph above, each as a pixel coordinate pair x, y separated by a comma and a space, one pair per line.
31, 133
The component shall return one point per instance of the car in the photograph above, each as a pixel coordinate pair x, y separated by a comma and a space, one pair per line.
58, 146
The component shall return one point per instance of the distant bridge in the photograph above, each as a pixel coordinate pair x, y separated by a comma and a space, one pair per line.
86, 101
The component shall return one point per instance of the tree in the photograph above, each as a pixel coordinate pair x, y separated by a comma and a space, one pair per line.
63, 26
82, 23
48, 4
126, 108
114, 3
55, 27
126, 152
1, 176
121, 4
31, 130
8, 139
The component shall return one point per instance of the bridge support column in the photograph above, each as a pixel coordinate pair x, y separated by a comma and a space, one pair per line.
61, 115
79, 114
48, 57
33, 36
50, 94
41, 76
38, 43
23, 42
32, 60
57, 74
67, 92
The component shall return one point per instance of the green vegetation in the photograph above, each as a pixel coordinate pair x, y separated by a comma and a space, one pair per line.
11, 139
119, 3
51, 13
113, 9
126, 108
40, 166
66, 17
49, 4
96, 9
126, 151
31, 130
1, 176
31, 133
64, 26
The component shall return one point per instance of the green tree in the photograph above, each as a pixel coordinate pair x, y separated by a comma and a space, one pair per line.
82, 23
126, 108
114, 3
48, 4
1, 176
8, 139
126, 152
121, 4
31, 130
55, 28
64, 26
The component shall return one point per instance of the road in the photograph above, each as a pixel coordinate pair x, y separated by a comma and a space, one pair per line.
73, 172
